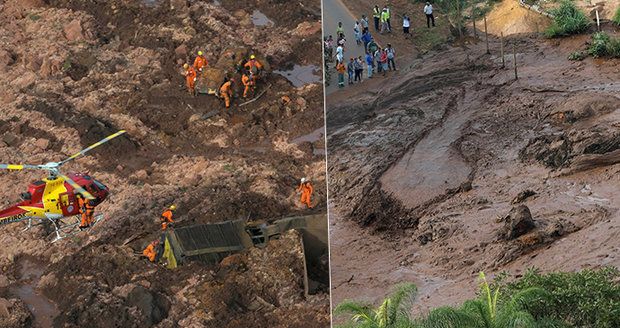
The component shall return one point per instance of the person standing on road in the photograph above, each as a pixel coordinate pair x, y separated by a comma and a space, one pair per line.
384, 61
428, 10
340, 31
364, 22
390, 57
359, 68
340, 68
377, 58
406, 25
389, 16
339, 54
376, 15
366, 38
351, 69
370, 64
357, 32
384, 23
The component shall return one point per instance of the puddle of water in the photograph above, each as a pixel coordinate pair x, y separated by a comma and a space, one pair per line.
151, 3
43, 309
312, 137
217, 2
302, 75
260, 19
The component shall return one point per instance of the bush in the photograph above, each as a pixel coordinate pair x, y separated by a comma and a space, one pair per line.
598, 47
616, 18
567, 20
604, 46
587, 298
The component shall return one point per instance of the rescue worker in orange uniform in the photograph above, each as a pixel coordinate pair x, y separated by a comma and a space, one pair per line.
166, 217
306, 191
254, 67
190, 78
151, 250
87, 209
226, 91
248, 83
200, 62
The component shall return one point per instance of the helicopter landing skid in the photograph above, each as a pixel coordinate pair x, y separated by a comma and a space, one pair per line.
70, 226
28, 226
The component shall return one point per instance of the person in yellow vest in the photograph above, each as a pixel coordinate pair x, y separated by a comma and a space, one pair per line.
376, 15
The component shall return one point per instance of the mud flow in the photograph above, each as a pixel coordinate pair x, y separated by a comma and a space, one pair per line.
450, 166
74, 72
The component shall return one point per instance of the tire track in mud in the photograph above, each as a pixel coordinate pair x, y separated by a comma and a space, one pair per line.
381, 207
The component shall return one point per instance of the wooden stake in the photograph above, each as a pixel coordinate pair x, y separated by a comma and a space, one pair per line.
514, 56
502, 50
473, 16
486, 34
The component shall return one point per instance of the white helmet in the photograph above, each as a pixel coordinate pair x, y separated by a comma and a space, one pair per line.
303, 180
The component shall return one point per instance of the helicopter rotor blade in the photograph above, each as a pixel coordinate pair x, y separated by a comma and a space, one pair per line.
77, 188
19, 167
84, 151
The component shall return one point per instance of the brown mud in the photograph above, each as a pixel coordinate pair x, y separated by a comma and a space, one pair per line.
74, 72
425, 170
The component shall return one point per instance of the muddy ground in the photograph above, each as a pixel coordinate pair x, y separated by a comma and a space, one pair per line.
424, 171
73, 72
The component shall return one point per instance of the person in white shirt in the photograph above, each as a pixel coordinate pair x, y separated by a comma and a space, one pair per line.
428, 10
406, 25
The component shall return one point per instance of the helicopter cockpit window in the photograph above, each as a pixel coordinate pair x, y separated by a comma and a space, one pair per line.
26, 196
99, 185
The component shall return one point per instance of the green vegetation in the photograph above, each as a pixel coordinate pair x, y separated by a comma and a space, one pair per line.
616, 18
590, 298
567, 20
577, 55
586, 299
392, 313
34, 17
603, 45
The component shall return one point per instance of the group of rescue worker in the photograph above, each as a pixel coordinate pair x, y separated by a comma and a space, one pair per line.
250, 71
155, 249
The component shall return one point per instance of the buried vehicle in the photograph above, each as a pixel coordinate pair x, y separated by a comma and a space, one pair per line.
210, 243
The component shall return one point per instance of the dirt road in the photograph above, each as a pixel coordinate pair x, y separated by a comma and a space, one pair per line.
424, 171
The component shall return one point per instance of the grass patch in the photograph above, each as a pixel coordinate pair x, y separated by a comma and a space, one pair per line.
567, 20
429, 39
34, 17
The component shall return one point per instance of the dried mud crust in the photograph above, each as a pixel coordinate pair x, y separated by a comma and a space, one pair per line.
547, 141
73, 72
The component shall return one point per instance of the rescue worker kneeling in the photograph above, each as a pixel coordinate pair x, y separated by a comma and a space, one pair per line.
154, 251
254, 67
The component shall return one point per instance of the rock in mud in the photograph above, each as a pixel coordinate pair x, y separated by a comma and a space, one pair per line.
518, 222
525, 194
75, 32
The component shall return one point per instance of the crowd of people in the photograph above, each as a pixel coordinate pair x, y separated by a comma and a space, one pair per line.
376, 60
